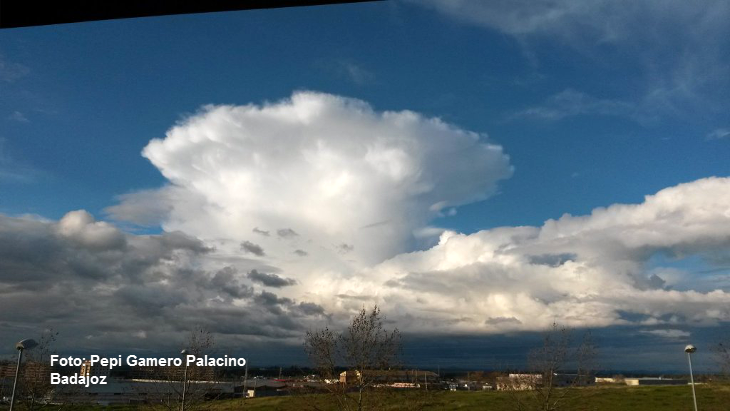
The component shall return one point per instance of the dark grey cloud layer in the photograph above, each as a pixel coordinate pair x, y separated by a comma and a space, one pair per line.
103, 288
270, 280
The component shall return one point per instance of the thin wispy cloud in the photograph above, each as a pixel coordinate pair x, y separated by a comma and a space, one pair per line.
718, 134
580, 24
356, 73
570, 103
10, 71
19, 117
347, 70
689, 81
670, 334
12, 170
344, 248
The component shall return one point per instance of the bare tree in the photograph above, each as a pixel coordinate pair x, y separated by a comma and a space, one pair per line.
196, 384
366, 351
199, 383
722, 354
555, 370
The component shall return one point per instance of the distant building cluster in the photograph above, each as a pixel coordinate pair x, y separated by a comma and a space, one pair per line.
654, 381
522, 382
88, 370
390, 377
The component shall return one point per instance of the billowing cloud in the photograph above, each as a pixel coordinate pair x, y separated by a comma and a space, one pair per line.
579, 270
81, 227
314, 169
91, 281
597, 270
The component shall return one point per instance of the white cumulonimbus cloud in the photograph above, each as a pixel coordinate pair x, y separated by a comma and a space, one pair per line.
318, 173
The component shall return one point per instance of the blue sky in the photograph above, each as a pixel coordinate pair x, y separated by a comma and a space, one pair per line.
589, 107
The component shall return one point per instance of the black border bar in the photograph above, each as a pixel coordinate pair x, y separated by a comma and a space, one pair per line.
26, 13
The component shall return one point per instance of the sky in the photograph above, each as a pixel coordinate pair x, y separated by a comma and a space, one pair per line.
477, 170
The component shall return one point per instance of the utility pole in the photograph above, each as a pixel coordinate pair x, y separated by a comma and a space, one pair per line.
26, 344
15, 382
245, 381
184, 353
689, 350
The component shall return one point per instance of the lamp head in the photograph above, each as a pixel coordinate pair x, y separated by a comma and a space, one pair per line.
690, 349
184, 352
26, 344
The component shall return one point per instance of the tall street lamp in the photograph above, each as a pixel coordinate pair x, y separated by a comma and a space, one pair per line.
26, 344
184, 353
689, 350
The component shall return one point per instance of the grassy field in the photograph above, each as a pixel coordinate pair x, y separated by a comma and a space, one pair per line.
613, 398
616, 398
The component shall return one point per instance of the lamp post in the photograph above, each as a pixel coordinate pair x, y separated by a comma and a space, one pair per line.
26, 344
689, 350
184, 353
